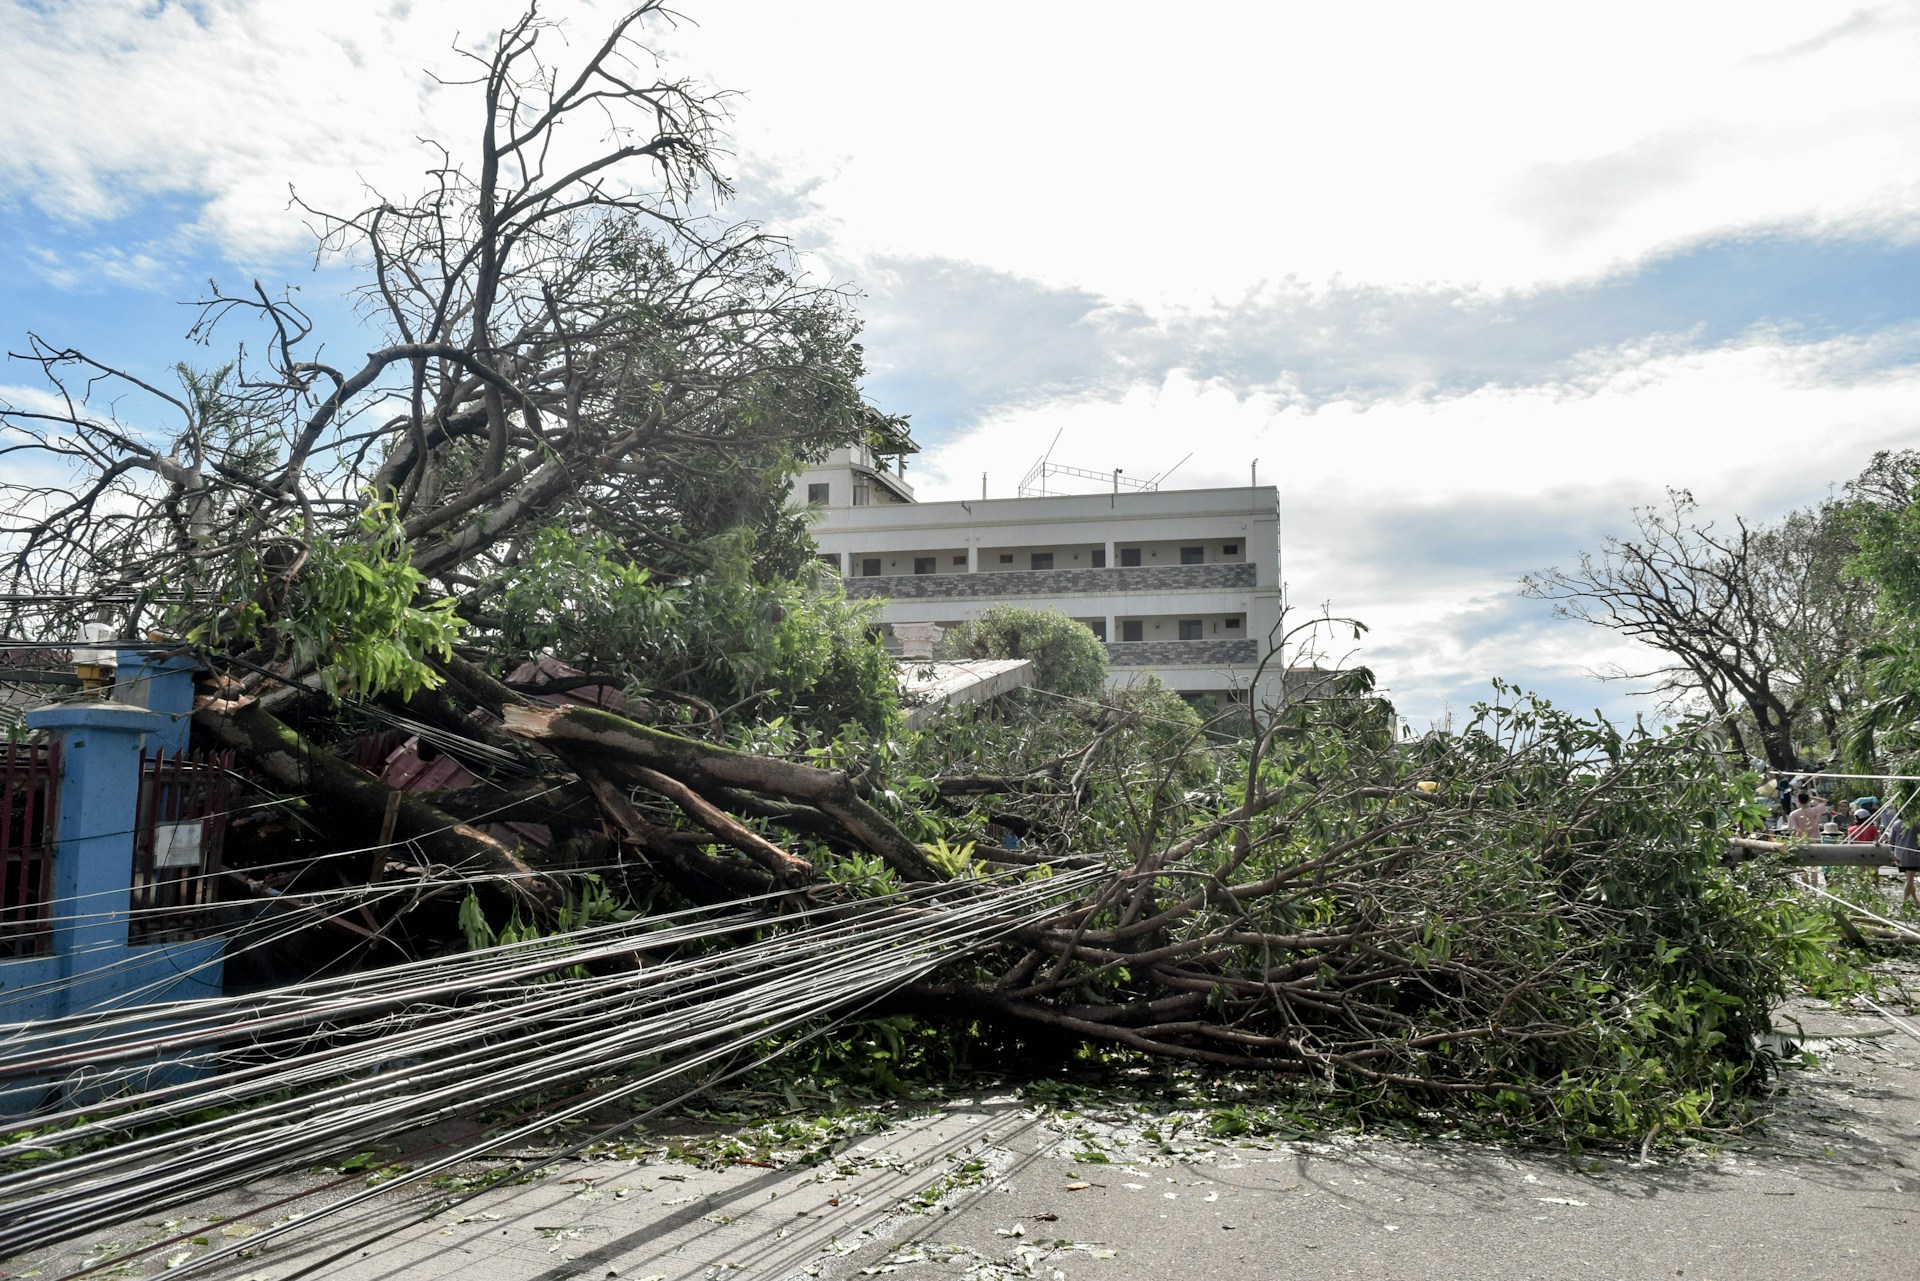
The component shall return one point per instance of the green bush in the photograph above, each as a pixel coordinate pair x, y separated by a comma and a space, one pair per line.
1067, 657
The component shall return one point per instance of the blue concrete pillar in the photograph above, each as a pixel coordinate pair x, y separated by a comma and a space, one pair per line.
93, 967
162, 684
100, 749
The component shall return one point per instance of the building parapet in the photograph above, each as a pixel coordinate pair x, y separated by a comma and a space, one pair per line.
1099, 510
1188, 653
1055, 582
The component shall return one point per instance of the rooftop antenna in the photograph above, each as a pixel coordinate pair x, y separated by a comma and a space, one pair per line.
1155, 482
1039, 472
1034, 483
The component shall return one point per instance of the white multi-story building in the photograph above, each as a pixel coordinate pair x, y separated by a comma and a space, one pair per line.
1182, 584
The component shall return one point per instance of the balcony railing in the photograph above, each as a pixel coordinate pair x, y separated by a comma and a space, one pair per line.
995, 584
1183, 653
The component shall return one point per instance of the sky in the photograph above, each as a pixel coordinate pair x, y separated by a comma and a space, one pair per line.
1470, 282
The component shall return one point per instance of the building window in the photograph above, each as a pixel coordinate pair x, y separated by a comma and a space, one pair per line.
870, 567
1229, 549
1233, 624
1099, 560
831, 559
1006, 558
1190, 629
1130, 630
1042, 560
960, 560
1129, 556
923, 564
1099, 628
1193, 555
818, 493
860, 495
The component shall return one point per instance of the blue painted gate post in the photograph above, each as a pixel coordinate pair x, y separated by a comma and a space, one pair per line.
100, 747
93, 966
100, 755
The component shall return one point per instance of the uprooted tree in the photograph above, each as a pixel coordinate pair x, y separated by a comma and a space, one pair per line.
561, 474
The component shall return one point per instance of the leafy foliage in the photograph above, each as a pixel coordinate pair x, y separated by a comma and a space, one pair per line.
584, 347
791, 648
1544, 937
1884, 514
581, 429
355, 617
1166, 734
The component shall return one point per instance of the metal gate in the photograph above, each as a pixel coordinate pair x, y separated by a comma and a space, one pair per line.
179, 829
29, 809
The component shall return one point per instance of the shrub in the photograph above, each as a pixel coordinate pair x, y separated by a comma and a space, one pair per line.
1067, 657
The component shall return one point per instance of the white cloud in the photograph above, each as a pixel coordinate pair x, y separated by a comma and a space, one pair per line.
151, 266
1122, 147
1654, 414
1141, 152
32, 400
1436, 652
1404, 512
229, 103
25, 466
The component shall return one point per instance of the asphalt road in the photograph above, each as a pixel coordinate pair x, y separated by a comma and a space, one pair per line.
1001, 1187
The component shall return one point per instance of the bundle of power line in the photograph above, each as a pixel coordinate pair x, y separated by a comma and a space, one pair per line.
160, 1104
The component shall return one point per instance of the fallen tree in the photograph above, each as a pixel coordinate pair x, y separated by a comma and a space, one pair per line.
1529, 919
571, 446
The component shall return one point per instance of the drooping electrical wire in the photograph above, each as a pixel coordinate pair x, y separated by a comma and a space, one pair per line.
328, 1067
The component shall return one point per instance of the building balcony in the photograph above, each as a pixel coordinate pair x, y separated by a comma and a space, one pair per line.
1007, 584
1184, 653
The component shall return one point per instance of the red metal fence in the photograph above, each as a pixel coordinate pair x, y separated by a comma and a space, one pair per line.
179, 829
29, 806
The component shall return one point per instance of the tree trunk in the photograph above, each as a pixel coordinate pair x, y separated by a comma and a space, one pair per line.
701, 878
616, 745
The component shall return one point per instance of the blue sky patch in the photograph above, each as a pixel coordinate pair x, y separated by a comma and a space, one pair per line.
1004, 340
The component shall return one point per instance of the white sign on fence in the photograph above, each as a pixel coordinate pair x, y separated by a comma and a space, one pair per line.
178, 844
